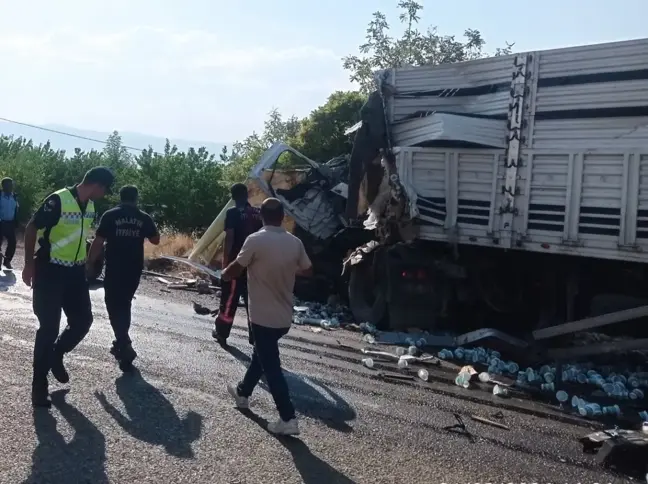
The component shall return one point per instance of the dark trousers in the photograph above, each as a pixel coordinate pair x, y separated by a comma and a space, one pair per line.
120, 289
8, 232
266, 361
59, 288
231, 292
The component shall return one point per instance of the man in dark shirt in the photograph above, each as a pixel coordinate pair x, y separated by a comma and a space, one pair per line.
240, 221
56, 273
123, 229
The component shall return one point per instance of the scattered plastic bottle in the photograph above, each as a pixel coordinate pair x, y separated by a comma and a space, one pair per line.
421, 342
445, 354
512, 367
644, 429
562, 396
500, 391
412, 351
369, 338
484, 377
636, 394
611, 410
423, 374
463, 379
643, 415
548, 387
400, 351
402, 363
549, 377
459, 353
368, 362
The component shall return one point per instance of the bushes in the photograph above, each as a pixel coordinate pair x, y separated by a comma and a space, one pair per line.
183, 191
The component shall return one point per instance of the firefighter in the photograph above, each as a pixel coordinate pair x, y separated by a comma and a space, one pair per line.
56, 273
240, 221
123, 229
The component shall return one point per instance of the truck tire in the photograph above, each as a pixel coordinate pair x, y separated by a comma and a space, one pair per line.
366, 298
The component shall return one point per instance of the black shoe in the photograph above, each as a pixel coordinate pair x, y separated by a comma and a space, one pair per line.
58, 369
8, 265
219, 339
40, 395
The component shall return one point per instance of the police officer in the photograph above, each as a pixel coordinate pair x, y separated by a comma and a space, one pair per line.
123, 229
56, 272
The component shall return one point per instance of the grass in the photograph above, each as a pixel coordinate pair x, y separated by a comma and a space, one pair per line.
175, 244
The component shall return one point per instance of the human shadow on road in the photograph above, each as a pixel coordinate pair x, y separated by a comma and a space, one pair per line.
312, 469
54, 460
314, 400
151, 417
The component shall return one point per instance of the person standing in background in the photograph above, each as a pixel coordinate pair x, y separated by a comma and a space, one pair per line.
124, 230
8, 221
240, 221
272, 257
56, 272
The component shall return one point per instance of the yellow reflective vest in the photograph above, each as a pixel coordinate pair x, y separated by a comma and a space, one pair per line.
68, 237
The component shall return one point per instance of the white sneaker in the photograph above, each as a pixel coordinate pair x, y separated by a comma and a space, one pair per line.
241, 402
284, 428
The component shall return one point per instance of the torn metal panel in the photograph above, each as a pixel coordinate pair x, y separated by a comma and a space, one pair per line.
450, 127
309, 203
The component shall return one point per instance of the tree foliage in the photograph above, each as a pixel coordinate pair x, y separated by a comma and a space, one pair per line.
413, 48
186, 190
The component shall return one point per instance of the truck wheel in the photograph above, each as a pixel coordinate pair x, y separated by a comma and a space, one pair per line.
366, 298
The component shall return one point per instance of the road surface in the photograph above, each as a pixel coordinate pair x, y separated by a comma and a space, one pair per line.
174, 422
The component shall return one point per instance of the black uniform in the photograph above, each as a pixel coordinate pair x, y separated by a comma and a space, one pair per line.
124, 227
56, 288
243, 222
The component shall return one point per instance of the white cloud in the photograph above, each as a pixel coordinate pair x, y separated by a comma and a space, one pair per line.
152, 47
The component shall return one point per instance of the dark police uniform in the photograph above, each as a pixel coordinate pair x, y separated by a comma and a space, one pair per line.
125, 228
243, 221
59, 281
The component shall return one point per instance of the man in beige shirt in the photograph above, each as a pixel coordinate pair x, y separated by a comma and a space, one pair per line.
272, 257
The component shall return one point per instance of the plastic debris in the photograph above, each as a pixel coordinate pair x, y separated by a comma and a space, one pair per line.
423, 374
368, 362
562, 396
484, 377
463, 380
548, 387
413, 351
500, 391
614, 410
644, 428
402, 363
327, 316
400, 351
369, 338
368, 328
644, 415
445, 354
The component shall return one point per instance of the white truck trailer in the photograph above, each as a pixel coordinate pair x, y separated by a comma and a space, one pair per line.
509, 191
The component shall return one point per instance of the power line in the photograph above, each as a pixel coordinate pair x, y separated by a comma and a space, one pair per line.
63, 133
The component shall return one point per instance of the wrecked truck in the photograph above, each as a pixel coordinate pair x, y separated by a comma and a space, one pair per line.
507, 192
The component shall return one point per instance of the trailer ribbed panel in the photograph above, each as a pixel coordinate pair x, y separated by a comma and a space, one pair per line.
599, 95
594, 59
579, 134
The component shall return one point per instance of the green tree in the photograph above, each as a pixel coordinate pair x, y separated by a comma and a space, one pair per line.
413, 48
321, 135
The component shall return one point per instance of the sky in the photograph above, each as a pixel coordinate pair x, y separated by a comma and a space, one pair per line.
211, 70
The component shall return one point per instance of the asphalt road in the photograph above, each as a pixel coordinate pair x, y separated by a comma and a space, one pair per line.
174, 421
